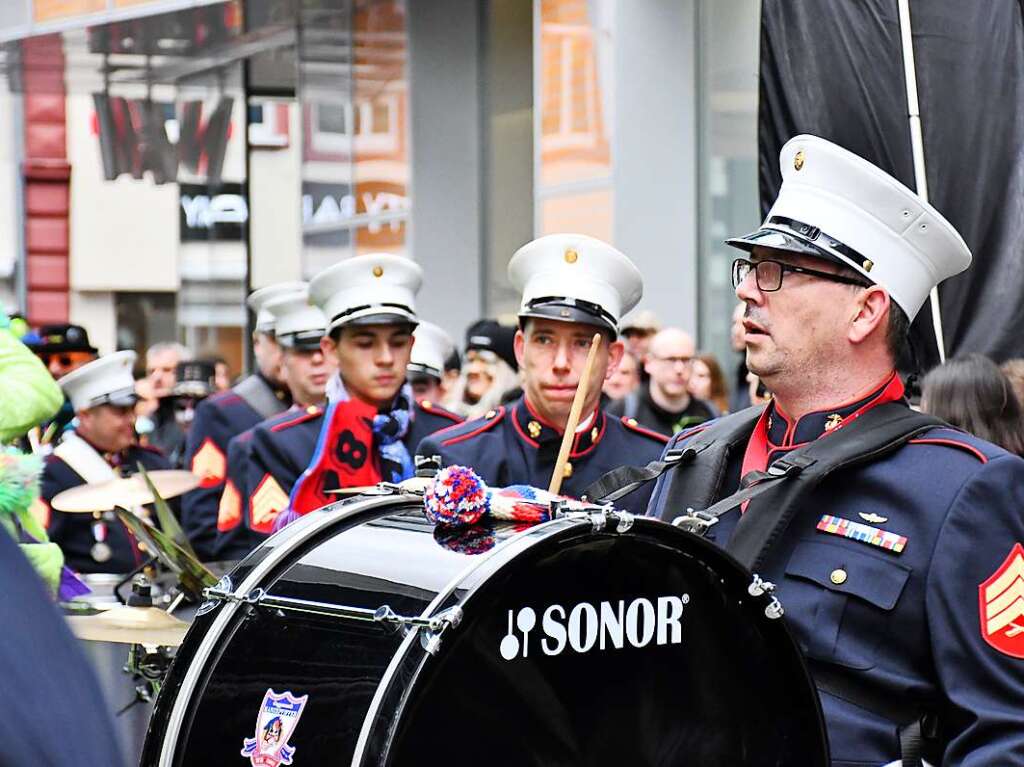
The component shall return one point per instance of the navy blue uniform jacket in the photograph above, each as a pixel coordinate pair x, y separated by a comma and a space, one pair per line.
74, 533
217, 420
938, 621
512, 445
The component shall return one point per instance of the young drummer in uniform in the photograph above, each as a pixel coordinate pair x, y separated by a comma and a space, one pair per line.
372, 421
227, 414
101, 447
305, 369
572, 286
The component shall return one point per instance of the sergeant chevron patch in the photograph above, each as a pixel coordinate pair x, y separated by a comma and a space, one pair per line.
857, 531
1001, 605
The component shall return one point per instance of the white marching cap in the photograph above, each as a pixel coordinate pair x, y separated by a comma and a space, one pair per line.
258, 300
297, 323
575, 278
106, 381
377, 288
432, 347
834, 204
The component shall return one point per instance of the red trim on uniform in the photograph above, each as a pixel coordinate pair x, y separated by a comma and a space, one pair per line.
640, 429
593, 442
302, 418
515, 423
537, 417
435, 410
950, 443
481, 430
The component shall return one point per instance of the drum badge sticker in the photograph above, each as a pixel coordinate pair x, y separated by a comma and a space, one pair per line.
279, 715
1001, 605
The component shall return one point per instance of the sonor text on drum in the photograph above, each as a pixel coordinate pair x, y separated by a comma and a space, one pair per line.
609, 625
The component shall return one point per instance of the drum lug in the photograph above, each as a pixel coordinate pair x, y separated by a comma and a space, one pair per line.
696, 522
430, 638
759, 587
224, 591
600, 517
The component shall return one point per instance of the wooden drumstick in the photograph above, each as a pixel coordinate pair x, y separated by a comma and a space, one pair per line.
574, 417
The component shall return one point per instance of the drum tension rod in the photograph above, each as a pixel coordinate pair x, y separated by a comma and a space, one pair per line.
759, 587
433, 626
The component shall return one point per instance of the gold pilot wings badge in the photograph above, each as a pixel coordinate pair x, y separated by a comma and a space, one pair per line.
1001, 605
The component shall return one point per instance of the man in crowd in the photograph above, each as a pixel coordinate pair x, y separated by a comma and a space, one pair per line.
638, 328
368, 432
625, 380
739, 397
227, 414
489, 370
62, 348
664, 403
572, 287
101, 448
426, 366
299, 328
895, 544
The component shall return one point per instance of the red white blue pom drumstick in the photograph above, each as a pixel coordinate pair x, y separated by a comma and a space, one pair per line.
457, 496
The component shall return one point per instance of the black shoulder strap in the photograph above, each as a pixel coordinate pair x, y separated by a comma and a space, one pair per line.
877, 432
625, 479
259, 396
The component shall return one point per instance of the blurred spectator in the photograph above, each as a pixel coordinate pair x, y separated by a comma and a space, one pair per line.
161, 364
452, 370
707, 382
664, 404
62, 348
425, 371
1013, 369
756, 391
972, 394
740, 397
489, 371
194, 382
624, 379
222, 379
637, 329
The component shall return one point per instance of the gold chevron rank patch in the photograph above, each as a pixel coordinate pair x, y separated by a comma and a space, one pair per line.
229, 513
1001, 605
209, 464
857, 531
266, 502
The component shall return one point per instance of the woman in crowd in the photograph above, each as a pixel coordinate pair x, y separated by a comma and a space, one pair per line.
707, 382
972, 394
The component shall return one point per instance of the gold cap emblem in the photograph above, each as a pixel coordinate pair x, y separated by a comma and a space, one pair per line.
868, 263
798, 161
378, 271
534, 428
571, 256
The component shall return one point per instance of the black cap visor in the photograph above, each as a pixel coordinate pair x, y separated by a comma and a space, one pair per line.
576, 311
770, 238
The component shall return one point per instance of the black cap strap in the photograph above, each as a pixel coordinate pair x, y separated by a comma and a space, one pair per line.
589, 307
813, 234
384, 306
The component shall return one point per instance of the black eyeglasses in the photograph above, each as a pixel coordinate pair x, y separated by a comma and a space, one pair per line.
768, 274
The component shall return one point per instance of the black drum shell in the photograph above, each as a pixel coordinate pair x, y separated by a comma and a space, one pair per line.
734, 691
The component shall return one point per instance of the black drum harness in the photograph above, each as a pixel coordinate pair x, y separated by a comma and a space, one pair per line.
872, 435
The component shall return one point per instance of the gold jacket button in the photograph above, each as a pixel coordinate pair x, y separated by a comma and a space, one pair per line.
490, 414
631, 421
426, 404
838, 576
312, 410
568, 470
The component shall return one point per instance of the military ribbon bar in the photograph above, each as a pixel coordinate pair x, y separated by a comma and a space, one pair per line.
858, 531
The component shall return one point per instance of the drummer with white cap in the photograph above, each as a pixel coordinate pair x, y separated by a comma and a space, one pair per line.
573, 286
227, 414
898, 564
101, 447
372, 419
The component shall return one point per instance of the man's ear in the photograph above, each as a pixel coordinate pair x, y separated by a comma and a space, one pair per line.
615, 351
872, 311
328, 347
519, 345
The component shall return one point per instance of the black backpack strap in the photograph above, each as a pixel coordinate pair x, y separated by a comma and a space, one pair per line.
871, 435
625, 479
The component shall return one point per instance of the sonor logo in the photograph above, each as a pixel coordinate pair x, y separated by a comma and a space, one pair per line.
604, 626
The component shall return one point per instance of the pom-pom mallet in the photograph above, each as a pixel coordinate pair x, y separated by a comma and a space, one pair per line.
458, 497
574, 418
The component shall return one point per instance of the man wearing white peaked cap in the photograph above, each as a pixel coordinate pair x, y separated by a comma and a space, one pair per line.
572, 287
101, 447
895, 543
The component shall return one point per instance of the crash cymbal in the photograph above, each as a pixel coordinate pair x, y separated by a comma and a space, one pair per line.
125, 492
130, 625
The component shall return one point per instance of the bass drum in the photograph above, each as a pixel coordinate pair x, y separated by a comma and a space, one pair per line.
359, 636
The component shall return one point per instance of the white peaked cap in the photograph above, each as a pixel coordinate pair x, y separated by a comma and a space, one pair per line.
575, 278
106, 381
836, 205
378, 288
297, 323
258, 300
433, 346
